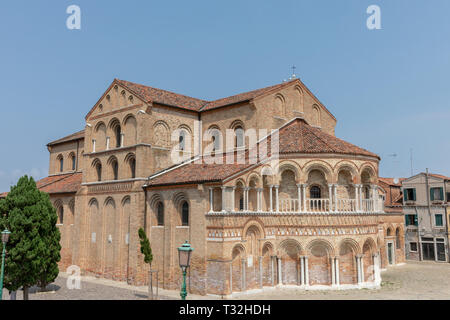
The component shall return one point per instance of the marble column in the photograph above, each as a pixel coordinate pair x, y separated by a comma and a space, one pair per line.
277, 202
358, 271
333, 272
304, 197
335, 196
271, 198
306, 271
233, 199
330, 195
259, 199
357, 197
280, 279
299, 197
336, 266
302, 270
224, 194
211, 199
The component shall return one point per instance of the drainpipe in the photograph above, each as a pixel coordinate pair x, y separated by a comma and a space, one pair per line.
428, 198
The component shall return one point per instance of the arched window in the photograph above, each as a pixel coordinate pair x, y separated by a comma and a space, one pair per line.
239, 131
185, 214
118, 133
315, 192
160, 214
115, 169
133, 168
74, 162
182, 140
61, 163
241, 204
98, 168
61, 215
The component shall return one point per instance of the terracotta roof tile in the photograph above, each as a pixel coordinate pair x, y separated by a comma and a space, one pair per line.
164, 96
74, 136
295, 137
65, 183
193, 104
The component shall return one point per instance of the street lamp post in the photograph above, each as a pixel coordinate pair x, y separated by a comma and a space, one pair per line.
184, 256
5, 238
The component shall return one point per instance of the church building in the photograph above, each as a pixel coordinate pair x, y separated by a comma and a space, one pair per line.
308, 213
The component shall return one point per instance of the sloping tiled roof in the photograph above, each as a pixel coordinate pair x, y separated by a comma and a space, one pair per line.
439, 176
246, 96
177, 100
295, 137
65, 183
393, 194
164, 96
299, 137
72, 137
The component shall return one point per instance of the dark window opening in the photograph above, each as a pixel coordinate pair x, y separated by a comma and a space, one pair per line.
160, 214
99, 172
118, 132
315, 192
74, 163
133, 168
185, 214
115, 167
411, 220
413, 246
61, 164
61, 215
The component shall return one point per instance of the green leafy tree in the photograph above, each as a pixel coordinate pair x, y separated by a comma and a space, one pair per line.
146, 250
33, 247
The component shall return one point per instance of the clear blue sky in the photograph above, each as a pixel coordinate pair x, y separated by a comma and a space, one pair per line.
389, 88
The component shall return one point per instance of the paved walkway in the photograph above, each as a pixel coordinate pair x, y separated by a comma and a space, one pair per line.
411, 281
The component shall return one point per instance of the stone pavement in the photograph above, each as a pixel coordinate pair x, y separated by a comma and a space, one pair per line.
411, 281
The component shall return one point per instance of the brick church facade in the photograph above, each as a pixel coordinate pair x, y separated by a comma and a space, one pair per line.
312, 217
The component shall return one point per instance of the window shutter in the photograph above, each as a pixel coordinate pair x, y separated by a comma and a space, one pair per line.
414, 194
405, 195
441, 192
432, 194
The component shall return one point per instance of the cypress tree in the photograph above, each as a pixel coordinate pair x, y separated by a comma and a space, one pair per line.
33, 247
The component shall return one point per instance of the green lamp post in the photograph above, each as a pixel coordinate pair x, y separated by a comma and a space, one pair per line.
184, 256
5, 238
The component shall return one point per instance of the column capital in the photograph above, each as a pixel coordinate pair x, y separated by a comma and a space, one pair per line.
299, 185
276, 186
